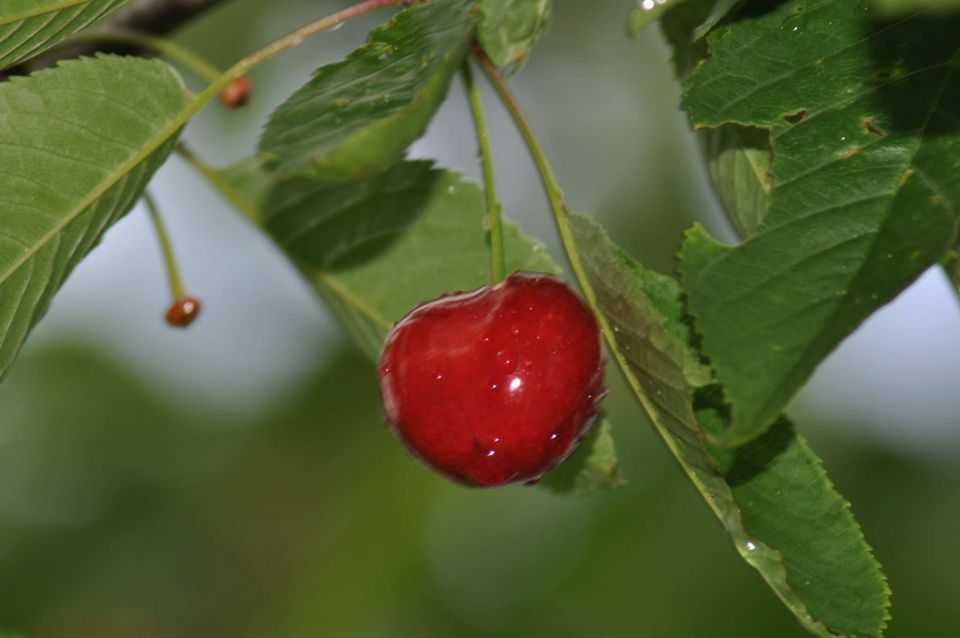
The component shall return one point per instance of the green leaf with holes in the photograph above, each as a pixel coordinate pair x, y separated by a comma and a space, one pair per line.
80, 143
29, 27
356, 117
373, 250
738, 157
509, 29
773, 497
864, 124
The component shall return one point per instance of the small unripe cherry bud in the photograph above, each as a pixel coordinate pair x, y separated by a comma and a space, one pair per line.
237, 93
183, 312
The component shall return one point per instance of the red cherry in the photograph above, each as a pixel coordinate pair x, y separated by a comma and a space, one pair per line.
497, 385
183, 312
237, 93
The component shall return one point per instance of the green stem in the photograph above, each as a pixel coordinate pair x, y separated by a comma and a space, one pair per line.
161, 46
215, 178
498, 267
561, 215
258, 57
288, 41
173, 273
554, 193
241, 68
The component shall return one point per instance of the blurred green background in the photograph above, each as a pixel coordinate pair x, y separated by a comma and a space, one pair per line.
236, 479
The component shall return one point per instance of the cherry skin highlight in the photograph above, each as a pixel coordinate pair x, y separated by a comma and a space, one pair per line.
497, 385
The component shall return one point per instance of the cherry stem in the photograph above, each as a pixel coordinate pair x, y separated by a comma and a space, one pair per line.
498, 267
242, 67
155, 44
561, 215
554, 192
173, 272
283, 43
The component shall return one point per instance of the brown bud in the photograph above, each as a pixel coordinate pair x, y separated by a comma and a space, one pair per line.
237, 93
183, 312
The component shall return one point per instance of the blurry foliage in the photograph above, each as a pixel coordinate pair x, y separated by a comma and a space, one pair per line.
123, 515
122, 518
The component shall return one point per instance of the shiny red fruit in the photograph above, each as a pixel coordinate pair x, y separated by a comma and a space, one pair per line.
497, 385
183, 312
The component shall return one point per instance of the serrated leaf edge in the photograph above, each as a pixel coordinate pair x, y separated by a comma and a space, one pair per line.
766, 560
108, 182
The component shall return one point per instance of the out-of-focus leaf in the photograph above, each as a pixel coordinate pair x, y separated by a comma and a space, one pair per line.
684, 24
28, 27
375, 249
509, 29
863, 120
592, 466
901, 7
739, 158
356, 117
79, 142
646, 12
773, 498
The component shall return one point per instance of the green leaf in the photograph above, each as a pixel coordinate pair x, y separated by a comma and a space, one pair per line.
29, 27
788, 501
738, 159
863, 121
81, 142
591, 468
684, 25
902, 7
355, 118
773, 498
509, 29
374, 250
